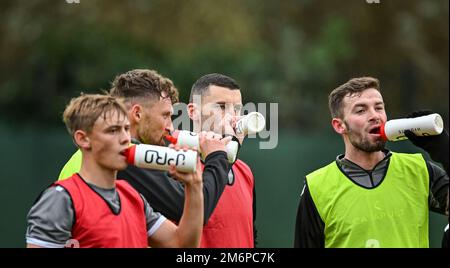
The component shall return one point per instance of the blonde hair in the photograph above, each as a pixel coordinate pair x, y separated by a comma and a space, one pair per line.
82, 112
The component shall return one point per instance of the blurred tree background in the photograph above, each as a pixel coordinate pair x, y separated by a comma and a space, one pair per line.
291, 52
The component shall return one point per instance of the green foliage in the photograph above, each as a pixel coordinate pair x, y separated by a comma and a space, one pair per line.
290, 52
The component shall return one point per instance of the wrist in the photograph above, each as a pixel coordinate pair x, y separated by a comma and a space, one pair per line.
216, 154
193, 186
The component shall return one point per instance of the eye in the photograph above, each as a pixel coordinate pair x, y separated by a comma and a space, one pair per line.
359, 111
112, 130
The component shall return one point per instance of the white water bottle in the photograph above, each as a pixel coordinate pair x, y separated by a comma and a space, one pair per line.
427, 125
251, 123
160, 158
191, 139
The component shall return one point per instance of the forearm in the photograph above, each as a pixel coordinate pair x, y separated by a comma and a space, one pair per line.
441, 157
190, 227
438, 198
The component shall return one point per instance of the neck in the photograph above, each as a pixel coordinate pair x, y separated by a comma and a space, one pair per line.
363, 159
96, 175
133, 132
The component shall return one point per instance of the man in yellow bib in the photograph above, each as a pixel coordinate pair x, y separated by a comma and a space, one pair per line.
369, 196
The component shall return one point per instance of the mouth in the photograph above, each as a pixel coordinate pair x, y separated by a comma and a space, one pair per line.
375, 130
123, 152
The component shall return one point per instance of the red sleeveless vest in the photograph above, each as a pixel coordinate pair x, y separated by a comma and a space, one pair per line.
231, 223
96, 226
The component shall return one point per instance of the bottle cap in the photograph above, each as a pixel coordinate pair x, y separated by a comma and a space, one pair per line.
383, 132
255, 122
130, 153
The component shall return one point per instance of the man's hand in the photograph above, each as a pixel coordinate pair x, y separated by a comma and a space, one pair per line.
212, 142
228, 124
436, 146
239, 137
194, 178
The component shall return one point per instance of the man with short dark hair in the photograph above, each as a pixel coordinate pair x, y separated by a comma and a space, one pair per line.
215, 105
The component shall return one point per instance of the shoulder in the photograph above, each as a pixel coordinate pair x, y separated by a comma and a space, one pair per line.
243, 168
55, 196
242, 165
69, 182
72, 166
408, 156
55, 191
322, 171
50, 220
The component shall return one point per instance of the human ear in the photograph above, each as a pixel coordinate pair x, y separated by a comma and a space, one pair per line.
339, 125
136, 113
82, 140
193, 111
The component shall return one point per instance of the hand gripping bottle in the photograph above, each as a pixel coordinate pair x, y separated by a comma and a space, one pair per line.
191, 139
160, 158
251, 123
427, 125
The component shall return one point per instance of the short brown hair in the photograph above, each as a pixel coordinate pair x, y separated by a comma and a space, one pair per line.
143, 83
353, 86
82, 112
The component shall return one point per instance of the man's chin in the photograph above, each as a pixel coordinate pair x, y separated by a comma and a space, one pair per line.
379, 146
122, 167
371, 147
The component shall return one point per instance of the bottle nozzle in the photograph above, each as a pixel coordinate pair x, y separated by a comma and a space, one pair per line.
171, 139
383, 133
130, 153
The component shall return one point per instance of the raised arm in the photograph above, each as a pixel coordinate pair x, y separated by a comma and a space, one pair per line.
188, 232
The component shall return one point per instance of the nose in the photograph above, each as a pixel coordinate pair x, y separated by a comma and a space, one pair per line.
125, 138
230, 111
374, 116
169, 125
